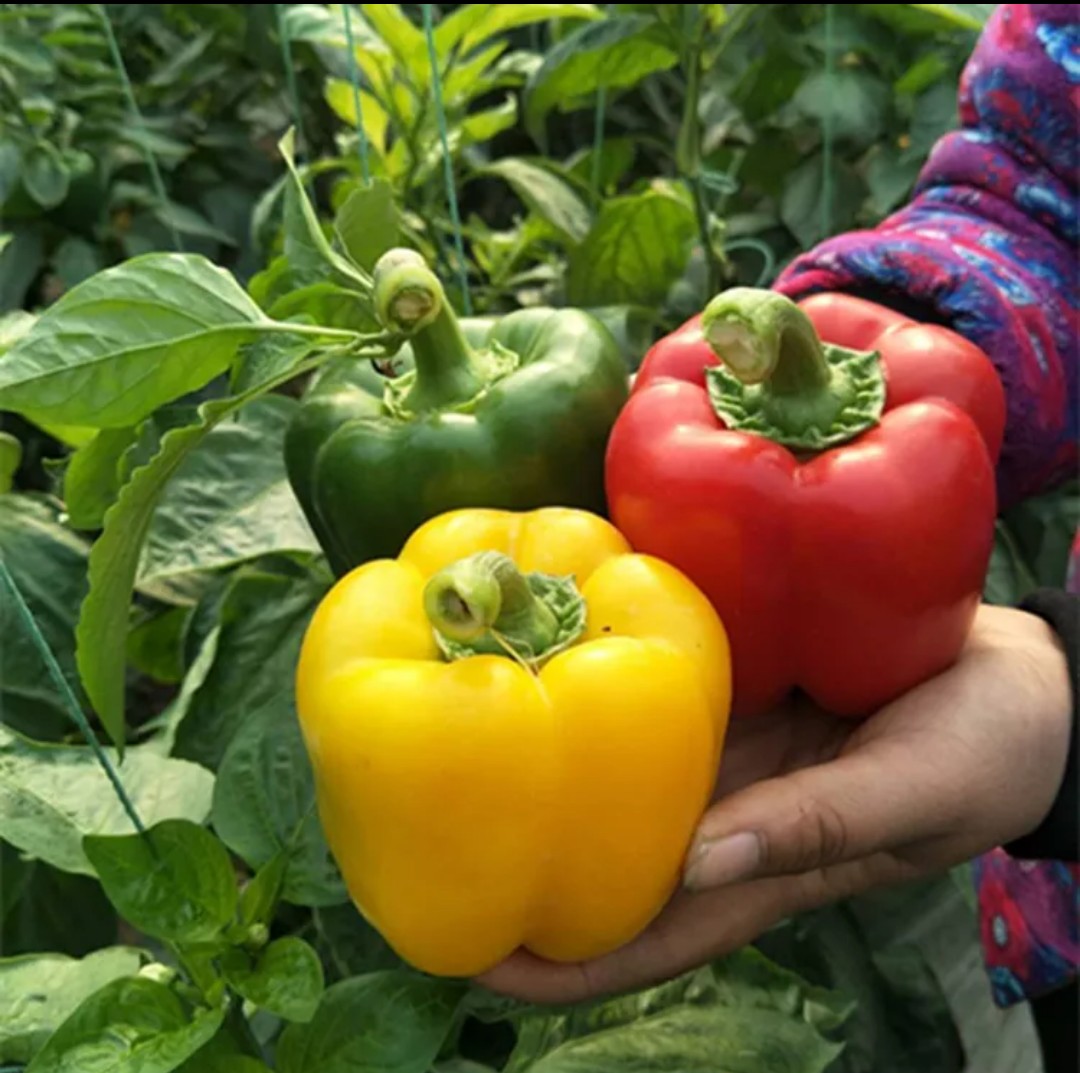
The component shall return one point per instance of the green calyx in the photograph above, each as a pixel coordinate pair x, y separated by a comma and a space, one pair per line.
780, 381
484, 605
449, 375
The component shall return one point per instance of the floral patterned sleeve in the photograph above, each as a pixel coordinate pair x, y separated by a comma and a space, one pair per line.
989, 245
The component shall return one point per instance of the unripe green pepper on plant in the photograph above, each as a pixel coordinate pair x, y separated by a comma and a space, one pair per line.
512, 413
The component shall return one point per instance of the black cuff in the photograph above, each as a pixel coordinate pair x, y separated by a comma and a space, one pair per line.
1057, 838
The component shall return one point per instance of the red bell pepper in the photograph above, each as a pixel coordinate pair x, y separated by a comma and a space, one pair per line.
837, 505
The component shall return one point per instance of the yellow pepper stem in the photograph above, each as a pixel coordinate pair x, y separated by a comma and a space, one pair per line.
484, 604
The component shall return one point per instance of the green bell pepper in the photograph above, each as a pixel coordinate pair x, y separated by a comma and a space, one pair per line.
511, 413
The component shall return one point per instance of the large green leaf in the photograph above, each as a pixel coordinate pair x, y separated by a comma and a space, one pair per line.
638, 247
103, 622
175, 882
262, 621
128, 340
93, 478
51, 796
544, 193
48, 564
743, 1015
614, 53
39, 991
129, 1026
264, 804
386, 1022
229, 501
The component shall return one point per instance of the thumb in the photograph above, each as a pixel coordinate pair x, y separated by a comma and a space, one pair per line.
876, 799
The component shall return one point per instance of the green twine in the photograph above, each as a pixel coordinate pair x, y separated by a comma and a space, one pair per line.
70, 702
290, 76
768, 258
448, 167
137, 116
354, 78
827, 129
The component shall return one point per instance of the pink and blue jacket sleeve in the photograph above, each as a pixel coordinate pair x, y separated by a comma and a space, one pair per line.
989, 246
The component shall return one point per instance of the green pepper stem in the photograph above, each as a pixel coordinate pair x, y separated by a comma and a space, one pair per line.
409, 298
763, 336
484, 595
778, 379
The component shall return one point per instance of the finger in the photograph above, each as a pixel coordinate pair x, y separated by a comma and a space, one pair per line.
691, 930
878, 798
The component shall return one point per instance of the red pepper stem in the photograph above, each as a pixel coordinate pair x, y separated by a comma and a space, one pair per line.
409, 299
777, 379
764, 337
483, 603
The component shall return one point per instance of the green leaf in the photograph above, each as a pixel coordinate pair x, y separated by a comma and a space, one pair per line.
103, 622
614, 53
472, 25
311, 257
264, 804
10, 458
39, 991
284, 978
545, 194
743, 1015
155, 645
395, 30
1009, 578
339, 95
92, 478
855, 103
801, 206
367, 223
174, 883
51, 796
48, 565
924, 72
76, 259
129, 1026
262, 621
126, 341
259, 898
222, 1055
14, 325
484, 125
638, 247
350, 944
386, 1022
230, 500
45, 175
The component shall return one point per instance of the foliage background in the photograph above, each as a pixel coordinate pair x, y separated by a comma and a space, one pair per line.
627, 158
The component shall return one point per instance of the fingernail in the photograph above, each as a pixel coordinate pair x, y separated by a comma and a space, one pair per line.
723, 861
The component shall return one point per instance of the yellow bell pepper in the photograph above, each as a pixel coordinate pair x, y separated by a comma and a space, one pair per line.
507, 760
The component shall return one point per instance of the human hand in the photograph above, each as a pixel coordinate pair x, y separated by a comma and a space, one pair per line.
811, 809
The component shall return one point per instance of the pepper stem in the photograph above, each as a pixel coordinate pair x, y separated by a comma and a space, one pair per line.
778, 379
483, 604
409, 299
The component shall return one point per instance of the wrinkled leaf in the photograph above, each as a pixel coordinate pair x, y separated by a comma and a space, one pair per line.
51, 796
129, 1026
175, 882
285, 978
387, 1022
230, 500
39, 991
264, 804
262, 622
